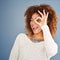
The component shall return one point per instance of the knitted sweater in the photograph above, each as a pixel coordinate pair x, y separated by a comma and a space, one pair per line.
25, 49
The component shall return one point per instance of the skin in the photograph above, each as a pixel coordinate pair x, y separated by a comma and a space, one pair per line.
36, 24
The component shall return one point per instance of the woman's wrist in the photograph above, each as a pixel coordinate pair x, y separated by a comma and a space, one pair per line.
45, 26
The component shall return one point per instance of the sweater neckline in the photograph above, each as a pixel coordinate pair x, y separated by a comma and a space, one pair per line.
32, 41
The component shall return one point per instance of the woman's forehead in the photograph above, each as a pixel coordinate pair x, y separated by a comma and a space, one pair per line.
34, 16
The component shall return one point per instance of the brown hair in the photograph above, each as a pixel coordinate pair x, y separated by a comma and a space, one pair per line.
52, 17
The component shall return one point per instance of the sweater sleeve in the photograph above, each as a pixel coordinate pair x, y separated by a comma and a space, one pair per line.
15, 50
50, 45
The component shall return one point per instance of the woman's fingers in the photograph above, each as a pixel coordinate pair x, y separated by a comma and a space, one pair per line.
37, 22
42, 20
40, 13
44, 12
38, 18
47, 14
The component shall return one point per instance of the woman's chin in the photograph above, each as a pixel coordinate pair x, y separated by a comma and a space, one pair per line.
36, 32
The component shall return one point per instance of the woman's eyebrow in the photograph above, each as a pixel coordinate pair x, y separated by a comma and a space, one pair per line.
34, 18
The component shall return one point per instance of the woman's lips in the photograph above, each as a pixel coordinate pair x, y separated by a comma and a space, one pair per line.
34, 28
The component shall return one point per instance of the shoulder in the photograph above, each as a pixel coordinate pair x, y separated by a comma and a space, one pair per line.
20, 35
22, 39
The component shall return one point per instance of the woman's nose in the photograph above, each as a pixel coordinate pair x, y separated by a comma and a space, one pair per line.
33, 23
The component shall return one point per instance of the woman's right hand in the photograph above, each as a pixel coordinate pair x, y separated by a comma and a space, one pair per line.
43, 18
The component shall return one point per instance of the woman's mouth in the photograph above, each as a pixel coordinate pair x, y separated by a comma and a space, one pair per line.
34, 28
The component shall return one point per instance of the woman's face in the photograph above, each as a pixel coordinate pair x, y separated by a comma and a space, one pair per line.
34, 26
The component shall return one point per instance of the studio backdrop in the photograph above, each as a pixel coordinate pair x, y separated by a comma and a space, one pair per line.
12, 23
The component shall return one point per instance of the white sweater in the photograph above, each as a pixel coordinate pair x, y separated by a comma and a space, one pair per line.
25, 49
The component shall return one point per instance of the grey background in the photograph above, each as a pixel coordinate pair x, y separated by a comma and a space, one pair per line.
12, 22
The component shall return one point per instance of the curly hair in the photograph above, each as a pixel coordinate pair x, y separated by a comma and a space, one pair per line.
51, 21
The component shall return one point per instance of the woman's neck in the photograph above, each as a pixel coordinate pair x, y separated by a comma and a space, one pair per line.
38, 36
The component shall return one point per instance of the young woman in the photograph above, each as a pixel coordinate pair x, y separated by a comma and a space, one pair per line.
38, 43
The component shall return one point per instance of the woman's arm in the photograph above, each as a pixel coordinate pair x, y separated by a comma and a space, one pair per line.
50, 45
15, 50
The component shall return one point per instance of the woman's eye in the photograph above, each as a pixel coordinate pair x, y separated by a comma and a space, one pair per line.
38, 20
